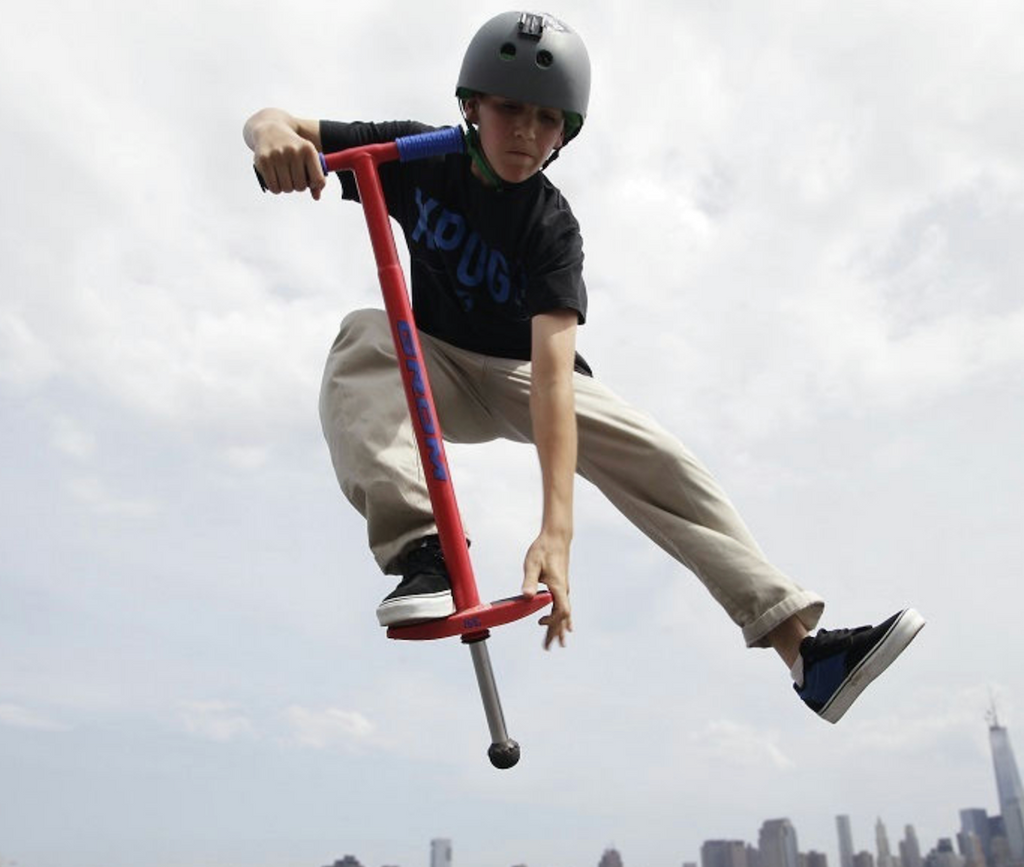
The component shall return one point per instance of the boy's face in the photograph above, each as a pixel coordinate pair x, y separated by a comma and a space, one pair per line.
517, 137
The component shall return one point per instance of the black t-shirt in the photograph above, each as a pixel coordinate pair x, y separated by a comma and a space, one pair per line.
482, 261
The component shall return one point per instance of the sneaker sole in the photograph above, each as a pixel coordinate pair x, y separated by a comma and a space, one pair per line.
415, 609
895, 641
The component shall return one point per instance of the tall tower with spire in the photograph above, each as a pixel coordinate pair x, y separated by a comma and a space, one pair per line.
1011, 793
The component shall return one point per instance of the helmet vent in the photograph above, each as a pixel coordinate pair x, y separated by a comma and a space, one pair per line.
544, 59
507, 51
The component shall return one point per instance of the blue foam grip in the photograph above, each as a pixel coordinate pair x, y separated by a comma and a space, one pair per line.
448, 140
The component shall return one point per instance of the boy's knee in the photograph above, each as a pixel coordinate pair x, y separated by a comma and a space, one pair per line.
362, 324
364, 335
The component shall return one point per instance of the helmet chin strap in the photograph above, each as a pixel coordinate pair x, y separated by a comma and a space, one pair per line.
551, 159
476, 153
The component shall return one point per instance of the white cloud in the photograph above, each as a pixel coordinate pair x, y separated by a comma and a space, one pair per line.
95, 493
215, 720
247, 457
739, 744
25, 358
322, 729
25, 718
71, 438
931, 720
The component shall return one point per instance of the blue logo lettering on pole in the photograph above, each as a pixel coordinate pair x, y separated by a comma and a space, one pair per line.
424, 414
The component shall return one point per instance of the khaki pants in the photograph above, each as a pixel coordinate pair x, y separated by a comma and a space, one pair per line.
641, 468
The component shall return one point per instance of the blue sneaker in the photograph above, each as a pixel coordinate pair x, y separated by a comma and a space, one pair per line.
840, 663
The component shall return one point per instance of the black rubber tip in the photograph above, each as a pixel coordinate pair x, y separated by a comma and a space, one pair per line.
504, 755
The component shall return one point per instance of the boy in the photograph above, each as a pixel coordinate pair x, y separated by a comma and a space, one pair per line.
496, 272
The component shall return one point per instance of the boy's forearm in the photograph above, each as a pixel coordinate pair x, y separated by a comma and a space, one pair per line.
271, 118
552, 407
553, 412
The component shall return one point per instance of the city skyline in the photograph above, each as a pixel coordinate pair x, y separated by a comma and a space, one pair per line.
778, 838
780, 834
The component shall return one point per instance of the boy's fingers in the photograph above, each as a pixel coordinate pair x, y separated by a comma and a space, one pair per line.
285, 177
314, 173
531, 578
268, 176
558, 621
289, 170
558, 625
560, 600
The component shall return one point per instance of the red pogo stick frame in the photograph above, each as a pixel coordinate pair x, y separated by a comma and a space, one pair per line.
472, 618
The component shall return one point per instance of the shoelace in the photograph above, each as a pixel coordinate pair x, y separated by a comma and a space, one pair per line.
427, 557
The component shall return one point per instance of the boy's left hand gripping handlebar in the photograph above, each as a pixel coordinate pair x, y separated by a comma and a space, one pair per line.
438, 142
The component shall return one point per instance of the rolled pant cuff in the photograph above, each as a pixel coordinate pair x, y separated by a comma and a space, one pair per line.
805, 605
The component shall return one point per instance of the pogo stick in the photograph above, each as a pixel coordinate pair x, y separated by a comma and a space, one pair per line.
472, 619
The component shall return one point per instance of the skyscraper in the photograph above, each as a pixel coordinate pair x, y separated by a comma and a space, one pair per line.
723, 853
970, 847
884, 853
910, 849
610, 858
1011, 793
845, 841
976, 822
441, 853
943, 855
777, 844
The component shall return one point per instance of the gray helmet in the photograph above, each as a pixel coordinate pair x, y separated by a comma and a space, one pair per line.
529, 57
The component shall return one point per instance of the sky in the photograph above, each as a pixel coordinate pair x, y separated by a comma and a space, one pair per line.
799, 221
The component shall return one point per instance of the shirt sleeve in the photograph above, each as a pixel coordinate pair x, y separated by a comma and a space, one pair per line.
556, 275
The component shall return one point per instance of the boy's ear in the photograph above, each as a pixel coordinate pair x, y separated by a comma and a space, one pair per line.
471, 107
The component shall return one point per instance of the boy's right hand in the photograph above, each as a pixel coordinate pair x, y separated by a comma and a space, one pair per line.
547, 562
287, 162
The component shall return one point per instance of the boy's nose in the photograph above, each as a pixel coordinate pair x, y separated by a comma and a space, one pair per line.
527, 128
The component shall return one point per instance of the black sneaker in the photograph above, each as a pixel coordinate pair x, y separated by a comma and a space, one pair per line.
839, 664
425, 591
